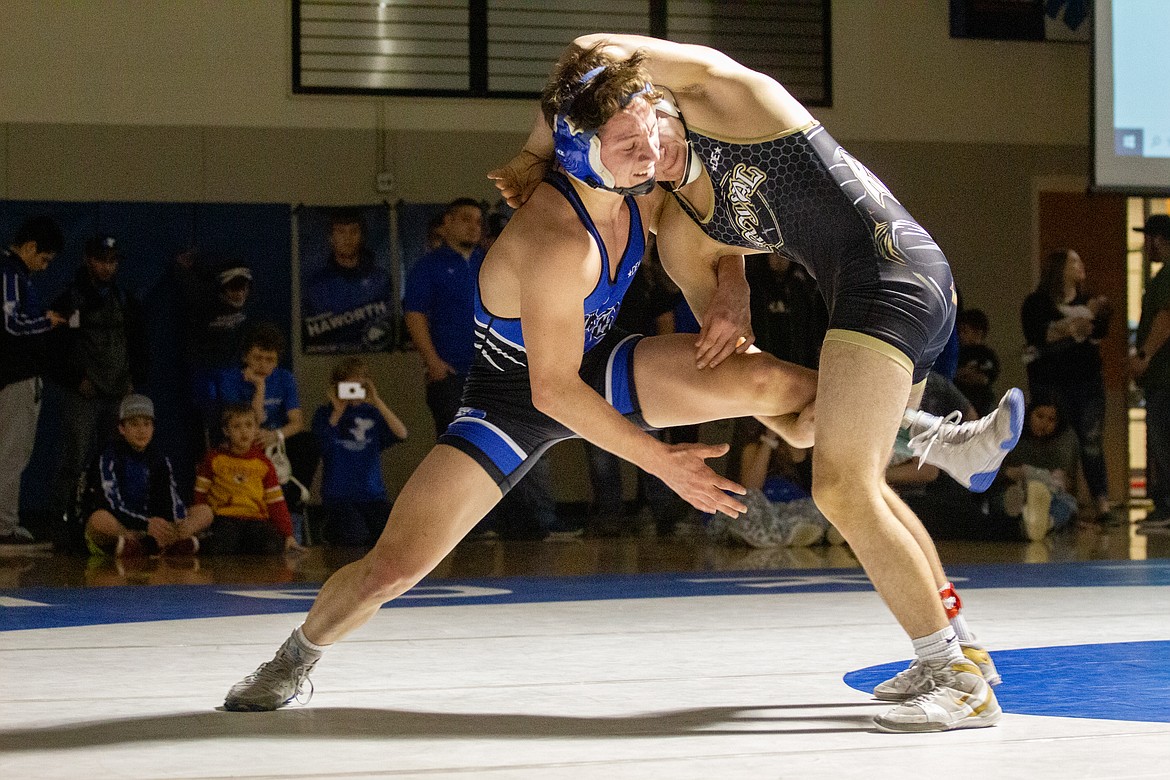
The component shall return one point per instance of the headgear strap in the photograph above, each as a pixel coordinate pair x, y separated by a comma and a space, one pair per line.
694, 167
579, 150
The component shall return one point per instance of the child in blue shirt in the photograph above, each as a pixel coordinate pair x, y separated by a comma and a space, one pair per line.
260, 382
352, 430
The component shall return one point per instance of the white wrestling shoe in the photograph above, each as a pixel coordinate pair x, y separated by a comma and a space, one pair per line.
958, 698
971, 452
915, 681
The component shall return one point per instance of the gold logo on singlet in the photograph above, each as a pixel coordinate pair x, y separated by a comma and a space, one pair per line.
741, 185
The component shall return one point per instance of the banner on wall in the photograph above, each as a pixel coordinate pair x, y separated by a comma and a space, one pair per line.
348, 300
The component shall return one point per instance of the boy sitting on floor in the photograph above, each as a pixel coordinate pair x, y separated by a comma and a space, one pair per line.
238, 493
129, 499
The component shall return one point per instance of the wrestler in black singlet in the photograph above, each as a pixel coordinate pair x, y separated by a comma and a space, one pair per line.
802, 195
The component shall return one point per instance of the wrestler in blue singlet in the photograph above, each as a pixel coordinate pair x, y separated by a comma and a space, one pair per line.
497, 425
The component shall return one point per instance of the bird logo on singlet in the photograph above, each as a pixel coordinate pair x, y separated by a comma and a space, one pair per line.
753, 218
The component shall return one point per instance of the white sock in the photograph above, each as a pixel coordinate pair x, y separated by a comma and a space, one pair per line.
959, 623
302, 649
911, 416
941, 646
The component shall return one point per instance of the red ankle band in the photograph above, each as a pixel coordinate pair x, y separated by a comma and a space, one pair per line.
950, 599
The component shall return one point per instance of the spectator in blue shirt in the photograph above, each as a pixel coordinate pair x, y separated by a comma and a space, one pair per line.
440, 308
347, 303
22, 338
271, 391
352, 430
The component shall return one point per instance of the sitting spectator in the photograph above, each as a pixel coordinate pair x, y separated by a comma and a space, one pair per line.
271, 391
237, 492
1037, 477
352, 431
978, 364
128, 498
781, 512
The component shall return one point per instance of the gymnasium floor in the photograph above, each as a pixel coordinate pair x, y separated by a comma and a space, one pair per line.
679, 659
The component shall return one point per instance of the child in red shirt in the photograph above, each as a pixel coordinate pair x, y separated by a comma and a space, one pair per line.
237, 486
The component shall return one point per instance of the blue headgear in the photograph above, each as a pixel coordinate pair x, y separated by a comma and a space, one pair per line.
579, 150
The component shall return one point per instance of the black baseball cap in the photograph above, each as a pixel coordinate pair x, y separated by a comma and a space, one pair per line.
104, 247
1156, 225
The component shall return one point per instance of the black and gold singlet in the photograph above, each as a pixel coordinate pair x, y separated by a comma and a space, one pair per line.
802, 195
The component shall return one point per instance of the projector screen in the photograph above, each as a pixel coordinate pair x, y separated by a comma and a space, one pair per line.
1131, 96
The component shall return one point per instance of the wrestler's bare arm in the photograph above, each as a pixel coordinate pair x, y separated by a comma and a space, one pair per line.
560, 268
711, 277
714, 92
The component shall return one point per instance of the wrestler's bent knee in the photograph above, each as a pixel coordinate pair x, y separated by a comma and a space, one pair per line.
384, 578
840, 495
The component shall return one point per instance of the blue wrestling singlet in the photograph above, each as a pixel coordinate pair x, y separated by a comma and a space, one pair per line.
497, 425
800, 194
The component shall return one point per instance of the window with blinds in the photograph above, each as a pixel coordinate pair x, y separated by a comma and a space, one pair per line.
504, 48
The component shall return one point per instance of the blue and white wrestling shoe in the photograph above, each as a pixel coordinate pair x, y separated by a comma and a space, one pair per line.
971, 452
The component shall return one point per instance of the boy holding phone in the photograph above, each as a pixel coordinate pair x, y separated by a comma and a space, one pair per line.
352, 430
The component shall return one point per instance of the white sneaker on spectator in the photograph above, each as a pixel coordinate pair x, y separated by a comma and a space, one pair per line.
1036, 521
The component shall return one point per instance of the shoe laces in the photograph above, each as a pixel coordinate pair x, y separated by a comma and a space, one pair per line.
922, 443
277, 671
913, 672
937, 679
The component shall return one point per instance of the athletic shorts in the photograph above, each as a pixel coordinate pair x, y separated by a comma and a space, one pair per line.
498, 426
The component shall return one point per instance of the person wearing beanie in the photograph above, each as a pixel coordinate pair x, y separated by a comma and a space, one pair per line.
100, 357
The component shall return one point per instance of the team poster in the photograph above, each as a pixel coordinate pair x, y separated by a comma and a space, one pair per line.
347, 292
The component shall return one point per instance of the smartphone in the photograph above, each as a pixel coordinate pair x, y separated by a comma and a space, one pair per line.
351, 391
